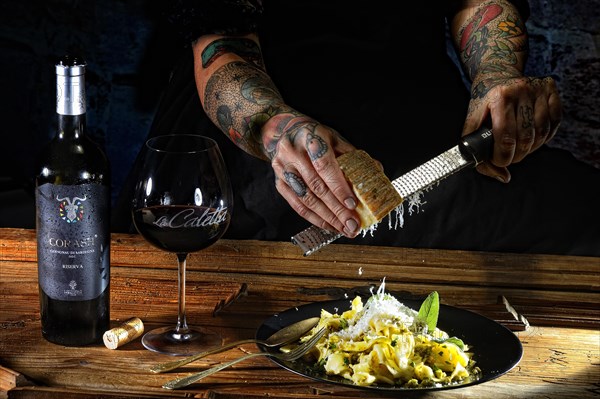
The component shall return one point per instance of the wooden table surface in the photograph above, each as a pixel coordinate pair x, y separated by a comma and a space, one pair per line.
550, 302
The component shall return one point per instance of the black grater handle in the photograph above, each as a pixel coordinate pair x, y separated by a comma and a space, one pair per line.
478, 145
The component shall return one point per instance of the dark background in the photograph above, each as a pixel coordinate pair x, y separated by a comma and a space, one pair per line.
123, 43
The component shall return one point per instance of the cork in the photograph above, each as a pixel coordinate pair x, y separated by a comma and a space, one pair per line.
126, 332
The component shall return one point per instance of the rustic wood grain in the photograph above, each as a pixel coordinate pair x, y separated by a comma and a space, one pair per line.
549, 301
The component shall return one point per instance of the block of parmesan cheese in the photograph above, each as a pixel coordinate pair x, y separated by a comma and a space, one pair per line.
376, 194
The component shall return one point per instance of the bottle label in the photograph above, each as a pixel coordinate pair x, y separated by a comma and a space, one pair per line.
73, 238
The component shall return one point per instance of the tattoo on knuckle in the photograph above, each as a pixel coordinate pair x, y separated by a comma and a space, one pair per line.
295, 183
316, 146
526, 116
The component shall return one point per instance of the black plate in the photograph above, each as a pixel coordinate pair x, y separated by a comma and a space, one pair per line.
496, 349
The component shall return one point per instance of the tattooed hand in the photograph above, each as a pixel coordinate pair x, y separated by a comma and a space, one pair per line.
525, 113
303, 156
240, 97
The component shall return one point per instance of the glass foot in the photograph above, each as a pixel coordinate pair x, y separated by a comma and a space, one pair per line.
168, 341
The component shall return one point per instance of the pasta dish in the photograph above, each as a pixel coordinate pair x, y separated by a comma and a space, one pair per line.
383, 342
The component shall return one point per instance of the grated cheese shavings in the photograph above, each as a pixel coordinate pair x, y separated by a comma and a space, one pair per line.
379, 307
414, 204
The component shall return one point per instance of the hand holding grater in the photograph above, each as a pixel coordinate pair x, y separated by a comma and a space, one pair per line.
472, 149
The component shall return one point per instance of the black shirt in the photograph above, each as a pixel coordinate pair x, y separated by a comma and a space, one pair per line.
379, 73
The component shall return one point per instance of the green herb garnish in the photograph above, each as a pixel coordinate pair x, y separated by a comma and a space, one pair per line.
456, 341
343, 323
430, 310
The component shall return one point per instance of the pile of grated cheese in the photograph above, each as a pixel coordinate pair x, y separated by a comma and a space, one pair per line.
380, 306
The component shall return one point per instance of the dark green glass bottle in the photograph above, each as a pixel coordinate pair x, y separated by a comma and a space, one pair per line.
73, 221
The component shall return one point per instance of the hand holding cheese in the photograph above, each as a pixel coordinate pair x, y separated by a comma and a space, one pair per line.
376, 194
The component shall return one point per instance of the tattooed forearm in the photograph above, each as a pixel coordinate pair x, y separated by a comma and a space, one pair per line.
247, 49
240, 98
493, 41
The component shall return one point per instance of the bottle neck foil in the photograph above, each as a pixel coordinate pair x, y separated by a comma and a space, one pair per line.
70, 94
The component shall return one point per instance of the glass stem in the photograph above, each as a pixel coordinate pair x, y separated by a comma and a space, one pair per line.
182, 327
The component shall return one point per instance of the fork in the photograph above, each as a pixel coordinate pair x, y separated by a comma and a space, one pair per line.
284, 336
294, 354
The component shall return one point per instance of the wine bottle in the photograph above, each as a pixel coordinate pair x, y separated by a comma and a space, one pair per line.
73, 221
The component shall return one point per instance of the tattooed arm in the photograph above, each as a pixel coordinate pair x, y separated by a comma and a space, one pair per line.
242, 100
525, 112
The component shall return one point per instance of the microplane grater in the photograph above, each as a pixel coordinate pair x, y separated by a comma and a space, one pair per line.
473, 149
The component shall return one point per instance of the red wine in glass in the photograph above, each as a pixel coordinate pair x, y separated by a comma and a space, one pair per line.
182, 204
179, 228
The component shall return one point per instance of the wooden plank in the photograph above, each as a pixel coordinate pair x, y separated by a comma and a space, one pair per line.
128, 290
409, 266
349, 261
10, 379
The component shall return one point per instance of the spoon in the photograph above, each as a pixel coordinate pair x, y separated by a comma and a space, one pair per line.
285, 335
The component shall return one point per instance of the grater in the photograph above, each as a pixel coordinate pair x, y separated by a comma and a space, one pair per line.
472, 149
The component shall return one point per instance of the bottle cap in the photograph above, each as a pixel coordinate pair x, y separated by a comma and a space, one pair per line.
70, 85
69, 65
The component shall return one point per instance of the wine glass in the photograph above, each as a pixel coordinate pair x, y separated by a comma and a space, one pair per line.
182, 203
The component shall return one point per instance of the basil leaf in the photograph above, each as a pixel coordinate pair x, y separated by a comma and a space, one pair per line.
456, 341
429, 310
